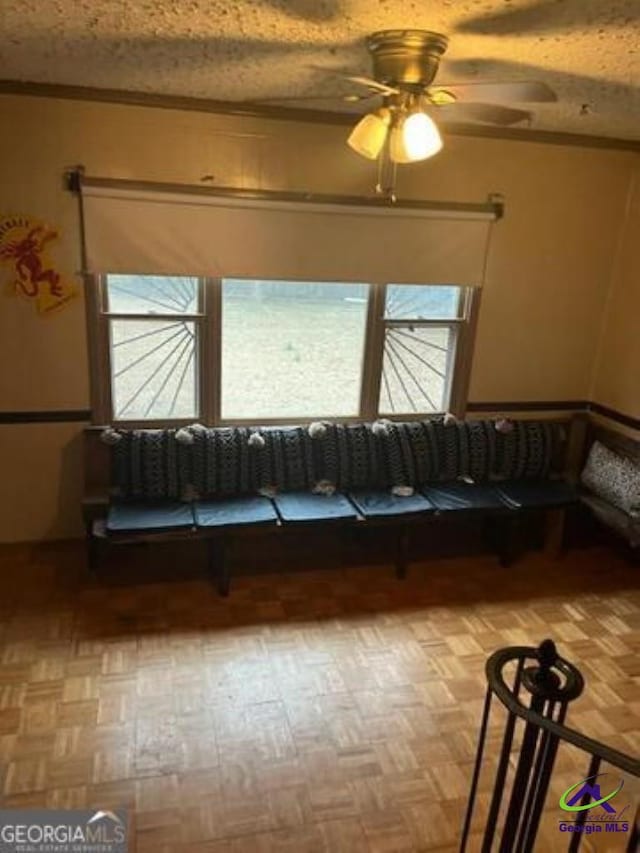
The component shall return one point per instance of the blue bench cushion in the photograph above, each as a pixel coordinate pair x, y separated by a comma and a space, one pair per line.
305, 506
386, 504
129, 517
451, 497
537, 494
235, 511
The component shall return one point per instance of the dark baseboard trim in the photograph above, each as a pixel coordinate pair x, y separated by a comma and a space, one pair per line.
613, 415
556, 406
530, 406
56, 416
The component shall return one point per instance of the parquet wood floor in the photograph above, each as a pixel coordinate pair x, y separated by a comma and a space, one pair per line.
331, 710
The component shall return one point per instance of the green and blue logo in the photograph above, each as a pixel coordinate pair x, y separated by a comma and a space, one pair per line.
594, 811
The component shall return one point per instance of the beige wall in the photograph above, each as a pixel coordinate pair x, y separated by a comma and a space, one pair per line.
548, 278
617, 369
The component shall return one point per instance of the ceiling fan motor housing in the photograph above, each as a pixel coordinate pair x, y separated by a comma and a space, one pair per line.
406, 58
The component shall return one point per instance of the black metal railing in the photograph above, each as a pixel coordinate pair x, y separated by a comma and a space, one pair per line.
547, 683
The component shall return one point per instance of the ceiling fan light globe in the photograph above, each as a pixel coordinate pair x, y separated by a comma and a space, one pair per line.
368, 136
416, 138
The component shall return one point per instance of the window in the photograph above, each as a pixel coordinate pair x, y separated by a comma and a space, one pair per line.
179, 349
154, 329
420, 331
291, 349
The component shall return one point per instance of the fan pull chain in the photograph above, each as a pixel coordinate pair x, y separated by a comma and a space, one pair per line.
387, 174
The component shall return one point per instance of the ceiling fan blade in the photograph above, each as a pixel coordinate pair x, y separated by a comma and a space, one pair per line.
370, 83
580, 87
487, 113
347, 99
519, 91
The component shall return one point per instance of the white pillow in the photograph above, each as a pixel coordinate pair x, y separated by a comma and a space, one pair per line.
614, 478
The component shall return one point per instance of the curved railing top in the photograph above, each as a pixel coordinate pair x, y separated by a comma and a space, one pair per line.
556, 680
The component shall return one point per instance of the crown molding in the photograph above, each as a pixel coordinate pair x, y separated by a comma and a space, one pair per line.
172, 102
279, 113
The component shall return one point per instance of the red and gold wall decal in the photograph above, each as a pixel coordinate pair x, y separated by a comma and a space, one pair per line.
24, 250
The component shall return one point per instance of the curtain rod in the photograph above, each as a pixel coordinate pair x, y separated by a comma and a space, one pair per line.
76, 180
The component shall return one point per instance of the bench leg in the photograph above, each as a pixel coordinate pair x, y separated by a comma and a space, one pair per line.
554, 540
508, 540
218, 565
402, 552
93, 551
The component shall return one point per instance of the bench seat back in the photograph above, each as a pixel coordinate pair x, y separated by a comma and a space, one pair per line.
204, 463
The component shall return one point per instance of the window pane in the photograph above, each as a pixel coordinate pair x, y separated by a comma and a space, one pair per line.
292, 349
422, 302
153, 365
151, 294
415, 369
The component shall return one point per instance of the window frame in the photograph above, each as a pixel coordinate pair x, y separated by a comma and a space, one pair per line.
459, 356
208, 321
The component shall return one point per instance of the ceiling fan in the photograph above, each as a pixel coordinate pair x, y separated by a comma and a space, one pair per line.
405, 65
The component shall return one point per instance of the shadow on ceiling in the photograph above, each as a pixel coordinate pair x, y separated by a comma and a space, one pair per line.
549, 16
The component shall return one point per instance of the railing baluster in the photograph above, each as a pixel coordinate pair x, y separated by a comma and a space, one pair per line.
521, 780
543, 685
634, 839
574, 844
552, 683
476, 770
548, 751
501, 772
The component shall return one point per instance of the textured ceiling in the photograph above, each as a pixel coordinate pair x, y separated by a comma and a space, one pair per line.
587, 50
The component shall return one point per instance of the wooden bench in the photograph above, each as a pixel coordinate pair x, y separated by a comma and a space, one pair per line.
366, 466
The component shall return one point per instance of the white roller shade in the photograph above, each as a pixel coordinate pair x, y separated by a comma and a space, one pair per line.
155, 232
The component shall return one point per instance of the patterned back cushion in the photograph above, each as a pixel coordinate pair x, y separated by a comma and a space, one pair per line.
528, 451
463, 450
349, 456
226, 463
223, 461
614, 478
149, 463
422, 451
287, 462
411, 452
